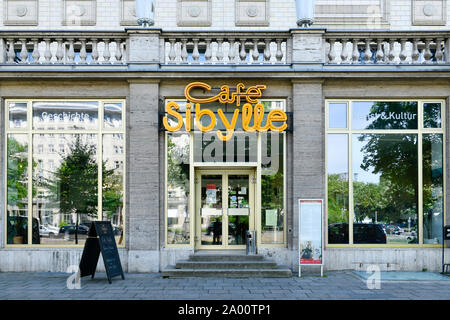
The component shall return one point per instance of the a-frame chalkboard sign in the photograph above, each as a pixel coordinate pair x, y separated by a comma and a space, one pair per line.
101, 239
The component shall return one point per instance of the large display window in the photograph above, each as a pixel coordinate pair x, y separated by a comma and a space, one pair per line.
261, 154
385, 171
65, 168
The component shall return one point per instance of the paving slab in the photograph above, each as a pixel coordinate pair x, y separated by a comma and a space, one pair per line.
343, 285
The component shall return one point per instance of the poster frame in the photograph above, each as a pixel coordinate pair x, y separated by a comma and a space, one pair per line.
300, 264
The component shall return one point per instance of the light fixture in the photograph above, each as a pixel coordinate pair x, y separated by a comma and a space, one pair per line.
145, 12
305, 12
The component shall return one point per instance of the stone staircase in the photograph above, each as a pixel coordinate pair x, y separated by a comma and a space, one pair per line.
226, 265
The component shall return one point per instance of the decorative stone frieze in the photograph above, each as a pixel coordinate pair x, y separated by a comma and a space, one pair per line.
252, 13
79, 12
429, 13
20, 12
194, 13
128, 13
372, 14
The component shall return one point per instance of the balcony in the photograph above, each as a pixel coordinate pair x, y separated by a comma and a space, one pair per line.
157, 50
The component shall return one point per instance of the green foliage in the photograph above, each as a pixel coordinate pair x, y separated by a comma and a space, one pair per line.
177, 165
17, 173
74, 185
337, 198
394, 158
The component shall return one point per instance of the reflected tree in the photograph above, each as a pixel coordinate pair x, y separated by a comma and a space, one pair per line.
178, 165
74, 185
17, 173
394, 158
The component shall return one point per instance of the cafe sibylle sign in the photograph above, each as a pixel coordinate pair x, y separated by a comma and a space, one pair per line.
251, 109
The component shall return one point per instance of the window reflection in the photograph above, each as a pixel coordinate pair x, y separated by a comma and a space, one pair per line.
211, 210
432, 115
272, 187
112, 116
385, 188
17, 115
112, 181
338, 202
178, 192
242, 147
384, 115
17, 189
433, 188
66, 189
337, 115
77, 115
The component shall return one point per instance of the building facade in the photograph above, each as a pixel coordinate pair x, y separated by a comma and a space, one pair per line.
216, 121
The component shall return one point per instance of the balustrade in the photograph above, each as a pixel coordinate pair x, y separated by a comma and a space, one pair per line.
222, 49
61, 50
226, 48
407, 48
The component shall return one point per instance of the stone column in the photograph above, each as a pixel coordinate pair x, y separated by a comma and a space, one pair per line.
143, 177
308, 167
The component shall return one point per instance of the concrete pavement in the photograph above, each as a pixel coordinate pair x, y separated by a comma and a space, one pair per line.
335, 285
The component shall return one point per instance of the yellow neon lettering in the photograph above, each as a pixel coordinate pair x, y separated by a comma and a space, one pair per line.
277, 116
188, 117
229, 126
259, 117
247, 111
169, 109
198, 116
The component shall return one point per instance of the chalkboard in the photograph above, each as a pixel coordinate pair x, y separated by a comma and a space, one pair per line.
101, 240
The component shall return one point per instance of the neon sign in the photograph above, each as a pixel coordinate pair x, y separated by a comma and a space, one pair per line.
249, 112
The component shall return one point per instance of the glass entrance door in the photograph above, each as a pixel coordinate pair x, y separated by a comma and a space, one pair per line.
225, 208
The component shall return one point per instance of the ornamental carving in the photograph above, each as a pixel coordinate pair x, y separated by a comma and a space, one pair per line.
252, 12
20, 12
194, 13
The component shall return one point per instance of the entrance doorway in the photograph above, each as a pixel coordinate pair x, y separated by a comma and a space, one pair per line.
225, 208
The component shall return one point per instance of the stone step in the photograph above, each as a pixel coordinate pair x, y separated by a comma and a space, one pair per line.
281, 272
228, 264
225, 257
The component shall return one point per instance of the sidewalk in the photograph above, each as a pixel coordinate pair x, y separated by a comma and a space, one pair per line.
336, 285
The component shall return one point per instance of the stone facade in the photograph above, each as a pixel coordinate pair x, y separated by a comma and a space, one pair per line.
300, 66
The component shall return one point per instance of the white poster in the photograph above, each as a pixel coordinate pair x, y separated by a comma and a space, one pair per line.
310, 227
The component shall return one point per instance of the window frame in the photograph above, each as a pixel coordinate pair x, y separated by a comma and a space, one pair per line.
420, 131
205, 165
30, 132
